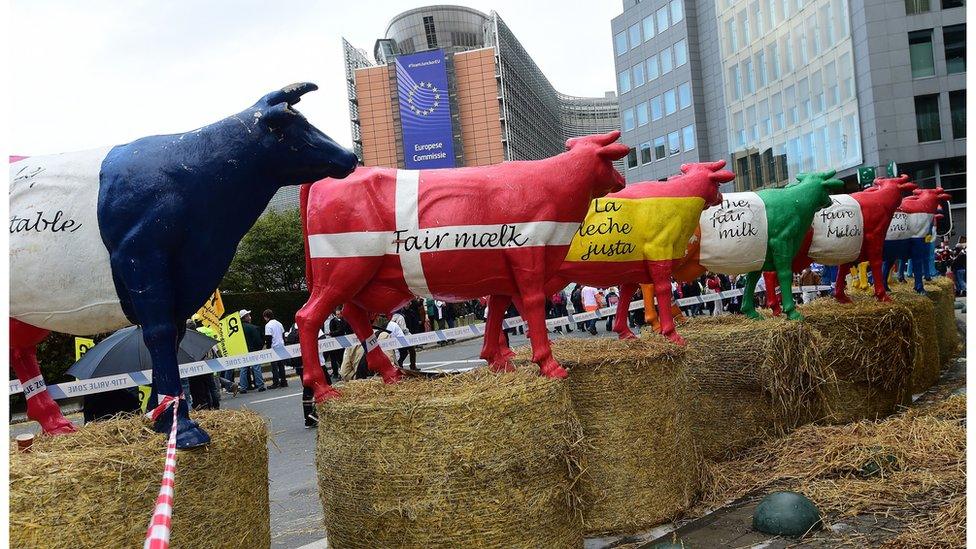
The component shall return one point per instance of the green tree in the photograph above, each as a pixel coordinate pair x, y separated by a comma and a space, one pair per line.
270, 257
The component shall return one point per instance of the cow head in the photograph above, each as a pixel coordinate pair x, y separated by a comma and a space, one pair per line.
712, 175
924, 201
822, 186
902, 183
299, 151
594, 155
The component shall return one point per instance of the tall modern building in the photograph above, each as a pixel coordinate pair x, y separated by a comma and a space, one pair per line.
781, 87
450, 86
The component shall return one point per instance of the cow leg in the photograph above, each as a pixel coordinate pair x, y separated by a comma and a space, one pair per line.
23, 359
151, 294
784, 270
886, 268
749, 296
879, 287
660, 274
623, 308
841, 283
650, 313
774, 301
534, 312
309, 319
919, 259
376, 359
494, 344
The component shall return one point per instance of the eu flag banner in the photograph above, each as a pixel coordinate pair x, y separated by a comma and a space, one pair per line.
425, 110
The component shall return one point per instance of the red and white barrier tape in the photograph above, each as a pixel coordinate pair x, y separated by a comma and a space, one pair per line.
157, 536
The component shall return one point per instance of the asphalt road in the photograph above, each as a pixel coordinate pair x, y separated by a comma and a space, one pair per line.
296, 514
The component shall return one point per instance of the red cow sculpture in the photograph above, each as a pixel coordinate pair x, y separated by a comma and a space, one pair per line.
382, 236
878, 204
629, 237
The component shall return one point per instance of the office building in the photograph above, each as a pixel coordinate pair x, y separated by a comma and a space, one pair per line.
450, 86
781, 87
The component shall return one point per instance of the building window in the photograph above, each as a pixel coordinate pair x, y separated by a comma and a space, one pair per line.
684, 95
688, 135
677, 11
662, 19
744, 27
623, 81
761, 68
947, 4
667, 62
927, 118
920, 52
915, 6
645, 152
648, 24
733, 38
628, 120
680, 53
620, 43
642, 114
635, 36
653, 70
955, 48
674, 143
750, 74
657, 108
631, 159
957, 111
670, 102
735, 82
430, 32
660, 151
639, 75
773, 62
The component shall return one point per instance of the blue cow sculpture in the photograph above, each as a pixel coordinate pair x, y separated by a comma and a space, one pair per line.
909, 227
142, 233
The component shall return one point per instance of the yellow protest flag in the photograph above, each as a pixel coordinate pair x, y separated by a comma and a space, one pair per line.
82, 345
212, 310
232, 341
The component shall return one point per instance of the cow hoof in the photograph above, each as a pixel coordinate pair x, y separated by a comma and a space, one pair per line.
753, 315
502, 366
554, 371
57, 426
677, 339
391, 376
794, 315
190, 435
627, 335
884, 298
844, 299
325, 392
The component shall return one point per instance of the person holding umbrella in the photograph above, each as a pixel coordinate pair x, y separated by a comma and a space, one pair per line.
255, 342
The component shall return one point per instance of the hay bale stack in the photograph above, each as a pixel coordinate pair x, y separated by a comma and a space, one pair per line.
926, 365
640, 467
942, 292
474, 460
751, 379
870, 348
98, 487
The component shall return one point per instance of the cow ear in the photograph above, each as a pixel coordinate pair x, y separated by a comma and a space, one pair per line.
916, 191
290, 94
278, 116
833, 185
613, 151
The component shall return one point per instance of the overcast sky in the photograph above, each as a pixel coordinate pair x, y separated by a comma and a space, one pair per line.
103, 72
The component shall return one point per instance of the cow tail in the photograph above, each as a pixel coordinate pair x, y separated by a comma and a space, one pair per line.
303, 211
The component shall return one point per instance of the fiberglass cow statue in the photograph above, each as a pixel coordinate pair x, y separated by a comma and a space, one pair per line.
453, 234
756, 232
142, 233
851, 230
911, 224
630, 237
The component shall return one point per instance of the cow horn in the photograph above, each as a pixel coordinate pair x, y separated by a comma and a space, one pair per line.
290, 94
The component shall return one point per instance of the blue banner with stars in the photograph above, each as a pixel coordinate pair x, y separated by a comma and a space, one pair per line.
425, 110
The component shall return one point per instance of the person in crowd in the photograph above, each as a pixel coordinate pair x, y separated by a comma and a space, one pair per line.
943, 257
433, 314
559, 309
450, 314
612, 300
760, 294
636, 316
590, 304
692, 289
109, 404
808, 282
203, 389
274, 338
407, 321
337, 326
254, 341
959, 266
512, 312
713, 285
576, 299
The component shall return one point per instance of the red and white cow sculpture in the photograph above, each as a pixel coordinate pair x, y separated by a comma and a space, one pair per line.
381, 236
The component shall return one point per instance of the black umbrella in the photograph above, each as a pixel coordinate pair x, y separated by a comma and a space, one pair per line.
124, 352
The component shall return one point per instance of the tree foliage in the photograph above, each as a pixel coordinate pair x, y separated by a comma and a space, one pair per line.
270, 257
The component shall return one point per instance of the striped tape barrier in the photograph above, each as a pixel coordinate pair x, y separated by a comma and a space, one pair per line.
157, 535
213, 365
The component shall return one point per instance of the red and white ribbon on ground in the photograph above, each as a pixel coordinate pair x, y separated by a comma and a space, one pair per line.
157, 536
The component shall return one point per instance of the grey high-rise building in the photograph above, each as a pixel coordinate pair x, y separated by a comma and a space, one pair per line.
781, 87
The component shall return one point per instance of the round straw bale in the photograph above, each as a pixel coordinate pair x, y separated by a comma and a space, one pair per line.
98, 487
473, 460
926, 365
640, 467
942, 292
870, 346
751, 379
